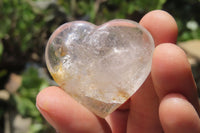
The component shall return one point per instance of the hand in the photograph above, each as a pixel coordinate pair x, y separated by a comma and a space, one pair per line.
166, 102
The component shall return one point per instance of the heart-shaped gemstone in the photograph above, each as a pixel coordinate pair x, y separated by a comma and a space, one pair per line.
100, 66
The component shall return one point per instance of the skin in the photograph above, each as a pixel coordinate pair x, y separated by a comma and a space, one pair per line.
166, 102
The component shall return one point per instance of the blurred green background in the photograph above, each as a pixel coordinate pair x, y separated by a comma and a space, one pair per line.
25, 26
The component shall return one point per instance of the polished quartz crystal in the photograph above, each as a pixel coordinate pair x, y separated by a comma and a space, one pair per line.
100, 66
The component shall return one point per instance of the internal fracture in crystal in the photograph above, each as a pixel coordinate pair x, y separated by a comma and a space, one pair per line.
100, 66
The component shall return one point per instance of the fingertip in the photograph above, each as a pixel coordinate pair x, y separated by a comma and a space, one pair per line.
167, 59
43, 100
161, 25
171, 71
45, 104
177, 115
67, 115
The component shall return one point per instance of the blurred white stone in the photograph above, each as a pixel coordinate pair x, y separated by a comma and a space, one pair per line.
101, 67
14, 83
21, 125
4, 95
192, 25
15, 123
192, 49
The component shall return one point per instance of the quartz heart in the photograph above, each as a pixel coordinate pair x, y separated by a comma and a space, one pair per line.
100, 66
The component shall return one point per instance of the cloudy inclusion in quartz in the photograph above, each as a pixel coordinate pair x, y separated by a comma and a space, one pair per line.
100, 66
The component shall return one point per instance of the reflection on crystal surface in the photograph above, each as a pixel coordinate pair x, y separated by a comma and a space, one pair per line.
101, 67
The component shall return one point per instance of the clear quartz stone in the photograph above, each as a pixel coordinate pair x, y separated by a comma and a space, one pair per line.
100, 66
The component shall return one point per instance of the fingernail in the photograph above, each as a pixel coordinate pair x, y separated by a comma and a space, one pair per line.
48, 118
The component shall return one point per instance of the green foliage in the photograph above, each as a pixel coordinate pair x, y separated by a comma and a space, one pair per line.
184, 12
26, 25
126, 7
3, 73
36, 127
25, 106
75, 9
25, 98
17, 22
100, 11
1, 50
188, 35
147, 5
